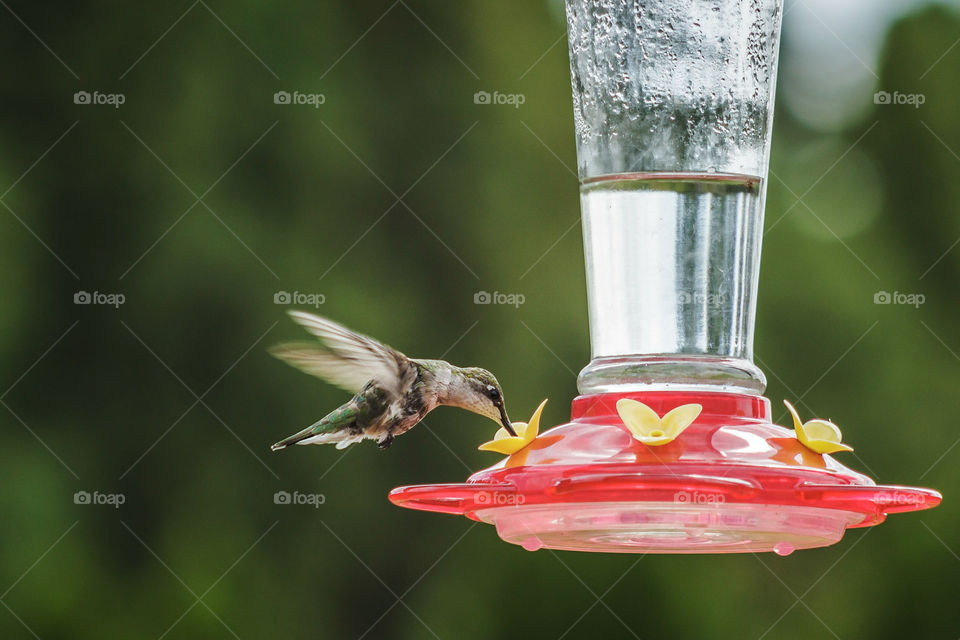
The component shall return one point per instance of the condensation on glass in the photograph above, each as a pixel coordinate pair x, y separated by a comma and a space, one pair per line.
673, 106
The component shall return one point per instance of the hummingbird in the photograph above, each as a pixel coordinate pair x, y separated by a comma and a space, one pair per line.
392, 392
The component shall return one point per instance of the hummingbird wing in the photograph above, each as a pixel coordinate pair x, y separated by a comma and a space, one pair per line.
345, 358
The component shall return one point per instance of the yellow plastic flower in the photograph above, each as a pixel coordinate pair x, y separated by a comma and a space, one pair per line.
817, 435
649, 428
506, 444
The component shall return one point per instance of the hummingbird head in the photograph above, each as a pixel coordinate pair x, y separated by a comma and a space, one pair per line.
480, 393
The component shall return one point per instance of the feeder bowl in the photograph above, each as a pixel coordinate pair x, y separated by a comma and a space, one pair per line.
731, 482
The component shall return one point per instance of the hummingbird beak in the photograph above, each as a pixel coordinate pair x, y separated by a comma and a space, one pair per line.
505, 421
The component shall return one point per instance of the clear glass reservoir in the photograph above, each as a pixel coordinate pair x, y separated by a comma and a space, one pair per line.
673, 105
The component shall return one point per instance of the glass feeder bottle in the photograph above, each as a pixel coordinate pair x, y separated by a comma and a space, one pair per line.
673, 107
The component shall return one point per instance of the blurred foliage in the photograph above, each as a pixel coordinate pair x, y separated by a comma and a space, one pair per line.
200, 198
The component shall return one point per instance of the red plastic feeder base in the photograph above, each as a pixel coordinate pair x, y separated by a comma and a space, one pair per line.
731, 482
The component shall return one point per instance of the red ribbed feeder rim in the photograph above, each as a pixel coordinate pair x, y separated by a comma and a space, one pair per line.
731, 482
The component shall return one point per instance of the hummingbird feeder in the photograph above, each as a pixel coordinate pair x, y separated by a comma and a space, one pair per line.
671, 447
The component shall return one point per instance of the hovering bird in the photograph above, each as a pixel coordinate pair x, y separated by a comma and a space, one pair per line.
393, 392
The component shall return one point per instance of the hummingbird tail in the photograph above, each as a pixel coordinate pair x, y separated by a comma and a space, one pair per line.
337, 427
309, 435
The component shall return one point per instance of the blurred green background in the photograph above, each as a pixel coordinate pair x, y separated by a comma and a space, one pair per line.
199, 199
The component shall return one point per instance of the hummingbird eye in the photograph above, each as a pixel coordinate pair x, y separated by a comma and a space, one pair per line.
493, 393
